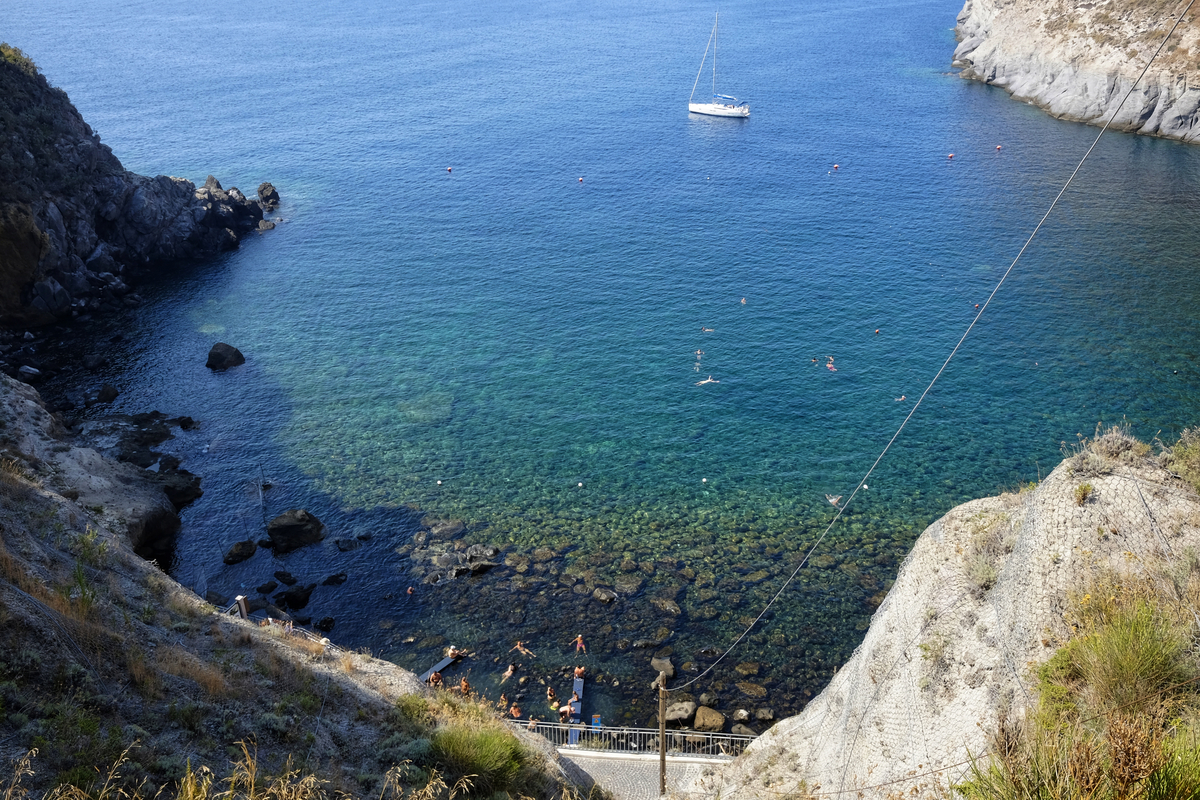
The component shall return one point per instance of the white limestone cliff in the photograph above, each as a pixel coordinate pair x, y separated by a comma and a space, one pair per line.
1077, 60
977, 605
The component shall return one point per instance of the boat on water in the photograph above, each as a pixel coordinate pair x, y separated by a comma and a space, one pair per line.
722, 105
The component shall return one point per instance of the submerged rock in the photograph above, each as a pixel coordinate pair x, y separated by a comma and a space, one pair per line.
240, 551
294, 529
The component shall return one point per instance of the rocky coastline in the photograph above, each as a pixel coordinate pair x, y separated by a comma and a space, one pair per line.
78, 230
1077, 61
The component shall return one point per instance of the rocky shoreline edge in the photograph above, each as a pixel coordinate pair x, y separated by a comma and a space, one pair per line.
1077, 62
105, 660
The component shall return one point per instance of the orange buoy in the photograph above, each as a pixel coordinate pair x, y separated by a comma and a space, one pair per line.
581, 180
449, 169
997, 147
410, 590
977, 305
877, 330
835, 166
950, 156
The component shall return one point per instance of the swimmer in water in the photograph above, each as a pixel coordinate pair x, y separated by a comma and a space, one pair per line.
701, 352
706, 330
709, 379
898, 399
508, 673
521, 648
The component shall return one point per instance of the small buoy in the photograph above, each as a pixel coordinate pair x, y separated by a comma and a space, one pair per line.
977, 305
709, 178
866, 487
835, 166
581, 484
997, 147
950, 156
877, 330
439, 483
410, 590
704, 480
449, 169
581, 180
1174, 372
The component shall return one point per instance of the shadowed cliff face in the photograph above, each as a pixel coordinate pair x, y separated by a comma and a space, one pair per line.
75, 226
1078, 61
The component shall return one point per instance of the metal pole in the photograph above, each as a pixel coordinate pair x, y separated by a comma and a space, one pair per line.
662, 734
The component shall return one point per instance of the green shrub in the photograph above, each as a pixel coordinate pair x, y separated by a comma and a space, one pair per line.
1082, 492
493, 756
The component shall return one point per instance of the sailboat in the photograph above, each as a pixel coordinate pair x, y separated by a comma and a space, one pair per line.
722, 105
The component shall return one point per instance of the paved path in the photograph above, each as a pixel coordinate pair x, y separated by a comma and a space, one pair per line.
630, 777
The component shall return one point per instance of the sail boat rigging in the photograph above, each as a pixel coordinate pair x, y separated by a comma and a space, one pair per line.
722, 105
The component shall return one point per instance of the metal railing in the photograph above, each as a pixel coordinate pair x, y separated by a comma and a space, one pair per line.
639, 740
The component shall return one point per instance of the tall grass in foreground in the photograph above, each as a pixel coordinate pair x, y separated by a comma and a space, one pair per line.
1117, 717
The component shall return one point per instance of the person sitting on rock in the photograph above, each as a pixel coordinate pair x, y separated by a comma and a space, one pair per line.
435, 679
454, 652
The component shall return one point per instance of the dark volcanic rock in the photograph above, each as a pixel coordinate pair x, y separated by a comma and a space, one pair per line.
296, 597
267, 587
346, 545
224, 356
75, 227
107, 393
335, 580
240, 552
268, 196
324, 624
286, 578
294, 529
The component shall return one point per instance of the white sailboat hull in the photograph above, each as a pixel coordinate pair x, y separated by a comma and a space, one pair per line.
719, 109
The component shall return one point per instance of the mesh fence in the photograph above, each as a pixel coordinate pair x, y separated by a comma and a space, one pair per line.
978, 604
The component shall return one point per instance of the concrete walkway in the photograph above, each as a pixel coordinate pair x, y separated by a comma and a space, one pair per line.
630, 777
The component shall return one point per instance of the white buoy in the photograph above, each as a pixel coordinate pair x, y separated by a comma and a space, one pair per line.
439, 483
581, 484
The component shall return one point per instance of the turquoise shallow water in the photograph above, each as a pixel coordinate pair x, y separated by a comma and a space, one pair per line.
513, 332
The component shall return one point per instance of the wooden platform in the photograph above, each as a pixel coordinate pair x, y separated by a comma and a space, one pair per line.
438, 667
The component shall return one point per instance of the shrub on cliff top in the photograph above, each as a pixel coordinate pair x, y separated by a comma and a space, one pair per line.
18, 59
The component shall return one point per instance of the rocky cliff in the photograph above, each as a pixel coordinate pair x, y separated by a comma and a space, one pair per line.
75, 226
977, 605
1077, 60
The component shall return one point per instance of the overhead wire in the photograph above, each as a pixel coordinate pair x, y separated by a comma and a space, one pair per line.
842, 508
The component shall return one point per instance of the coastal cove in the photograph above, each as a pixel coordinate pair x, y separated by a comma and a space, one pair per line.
510, 347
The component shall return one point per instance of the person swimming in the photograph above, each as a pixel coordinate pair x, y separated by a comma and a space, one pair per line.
709, 379
508, 673
521, 648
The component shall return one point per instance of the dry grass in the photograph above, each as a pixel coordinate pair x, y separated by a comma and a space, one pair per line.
182, 664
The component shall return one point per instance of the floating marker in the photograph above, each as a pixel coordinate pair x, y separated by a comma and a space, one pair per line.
449, 169
950, 156
997, 147
439, 483
977, 305
877, 330
704, 480
581, 482
581, 180
835, 166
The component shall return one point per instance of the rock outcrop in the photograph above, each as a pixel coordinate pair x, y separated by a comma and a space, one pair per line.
77, 228
294, 529
978, 603
1078, 60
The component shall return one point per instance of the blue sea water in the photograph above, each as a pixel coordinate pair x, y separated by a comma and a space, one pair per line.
510, 346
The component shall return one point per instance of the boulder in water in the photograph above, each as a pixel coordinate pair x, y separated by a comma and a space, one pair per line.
294, 529
224, 356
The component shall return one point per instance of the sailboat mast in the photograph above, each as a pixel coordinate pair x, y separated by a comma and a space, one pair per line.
716, 21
